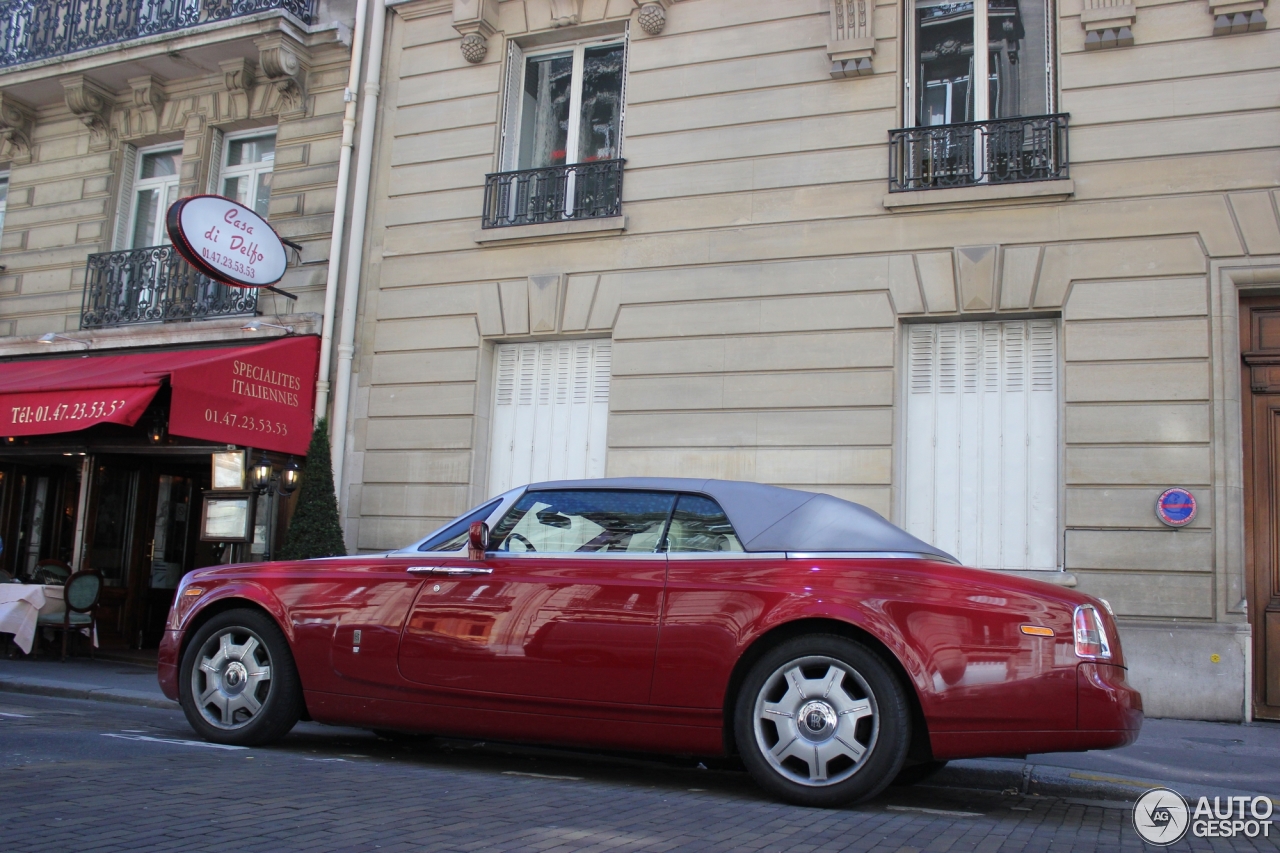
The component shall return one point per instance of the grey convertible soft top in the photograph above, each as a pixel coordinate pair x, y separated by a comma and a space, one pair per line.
770, 518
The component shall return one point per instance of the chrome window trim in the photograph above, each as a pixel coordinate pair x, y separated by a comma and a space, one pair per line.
576, 555
863, 555
726, 555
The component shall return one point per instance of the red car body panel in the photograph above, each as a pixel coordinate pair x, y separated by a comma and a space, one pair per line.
639, 652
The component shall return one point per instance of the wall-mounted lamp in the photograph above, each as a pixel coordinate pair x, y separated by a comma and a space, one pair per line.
258, 326
10, 440
290, 477
50, 337
260, 474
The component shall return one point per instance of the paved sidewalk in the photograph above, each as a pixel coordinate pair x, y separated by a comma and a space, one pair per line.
80, 678
1195, 758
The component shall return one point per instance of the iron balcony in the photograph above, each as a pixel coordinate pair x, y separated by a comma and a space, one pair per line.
44, 29
1002, 151
154, 285
553, 194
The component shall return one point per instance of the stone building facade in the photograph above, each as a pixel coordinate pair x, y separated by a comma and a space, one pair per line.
1007, 318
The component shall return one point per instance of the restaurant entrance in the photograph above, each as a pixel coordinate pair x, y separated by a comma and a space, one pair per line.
141, 533
138, 527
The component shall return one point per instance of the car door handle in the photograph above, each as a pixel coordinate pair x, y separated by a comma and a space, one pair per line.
449, 570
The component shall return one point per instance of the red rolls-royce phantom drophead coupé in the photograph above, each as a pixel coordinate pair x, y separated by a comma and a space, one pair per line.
831, 650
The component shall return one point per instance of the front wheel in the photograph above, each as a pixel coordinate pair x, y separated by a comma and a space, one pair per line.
237, 682
822, 721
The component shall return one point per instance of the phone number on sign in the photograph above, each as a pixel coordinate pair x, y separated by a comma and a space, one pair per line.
231, 419
89, 411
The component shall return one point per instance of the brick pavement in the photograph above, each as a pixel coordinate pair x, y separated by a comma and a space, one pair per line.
67, 787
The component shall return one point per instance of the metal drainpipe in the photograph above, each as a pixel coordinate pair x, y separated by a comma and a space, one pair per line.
355, 247
340, 210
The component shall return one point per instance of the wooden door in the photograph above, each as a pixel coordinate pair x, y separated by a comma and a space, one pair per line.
1260, 343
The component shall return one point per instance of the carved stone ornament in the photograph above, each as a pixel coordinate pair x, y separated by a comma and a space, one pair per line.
16, 123
1231, 18
476, 20
1107, 24
281, 62
852, 42
653, 17
141, 115
565, 13
475, 48
237, 74
90, 103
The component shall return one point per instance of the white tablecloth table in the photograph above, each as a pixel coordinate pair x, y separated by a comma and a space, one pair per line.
20, 606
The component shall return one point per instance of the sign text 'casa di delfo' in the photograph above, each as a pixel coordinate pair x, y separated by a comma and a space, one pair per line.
226, 241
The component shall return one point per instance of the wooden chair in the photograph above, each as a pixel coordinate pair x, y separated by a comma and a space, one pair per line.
51, 571
80, 595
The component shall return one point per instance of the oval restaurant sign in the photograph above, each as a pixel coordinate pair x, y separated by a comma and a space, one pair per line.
1176, 507
226, 241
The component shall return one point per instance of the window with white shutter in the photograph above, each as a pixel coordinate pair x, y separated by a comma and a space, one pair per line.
550, 412
981, 473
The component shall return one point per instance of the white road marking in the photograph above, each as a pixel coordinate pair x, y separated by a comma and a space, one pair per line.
20, 716
173, 741
933, 811
541, 775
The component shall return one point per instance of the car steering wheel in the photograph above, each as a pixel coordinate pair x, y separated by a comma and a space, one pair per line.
527, 544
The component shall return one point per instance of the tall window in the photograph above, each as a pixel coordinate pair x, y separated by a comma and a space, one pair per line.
155, 187
981, 472
1015, 64
564, 105
246, 170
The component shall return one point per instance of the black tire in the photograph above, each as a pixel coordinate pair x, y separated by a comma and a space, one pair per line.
277, 692
864, 682
917, 773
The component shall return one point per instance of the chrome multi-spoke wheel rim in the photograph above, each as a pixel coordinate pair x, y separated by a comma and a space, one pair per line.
232, 678
816, 721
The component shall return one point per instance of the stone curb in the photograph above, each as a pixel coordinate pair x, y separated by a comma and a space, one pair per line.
1049, 781
86, 691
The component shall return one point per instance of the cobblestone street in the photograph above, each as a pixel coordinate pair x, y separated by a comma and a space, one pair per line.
90, 776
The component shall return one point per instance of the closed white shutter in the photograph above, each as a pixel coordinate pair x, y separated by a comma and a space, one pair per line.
124, 195
550, 413
215, 163
512, 98
981, 475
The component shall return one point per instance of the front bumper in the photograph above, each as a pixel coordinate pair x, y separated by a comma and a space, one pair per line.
167, 673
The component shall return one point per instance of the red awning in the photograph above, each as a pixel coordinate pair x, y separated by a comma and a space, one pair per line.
258, 396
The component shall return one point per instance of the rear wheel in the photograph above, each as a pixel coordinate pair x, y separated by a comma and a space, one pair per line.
822, 721
237, 682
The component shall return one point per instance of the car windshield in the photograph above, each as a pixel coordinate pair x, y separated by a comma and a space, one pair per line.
585, 521
455, 535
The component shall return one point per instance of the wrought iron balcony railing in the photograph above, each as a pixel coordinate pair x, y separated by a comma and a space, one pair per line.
553, 194
155, 285
41, 29
1004, 151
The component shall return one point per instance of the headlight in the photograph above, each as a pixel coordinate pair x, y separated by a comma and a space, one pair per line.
1091, 636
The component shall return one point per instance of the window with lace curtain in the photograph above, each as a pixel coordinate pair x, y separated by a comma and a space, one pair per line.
564, 105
